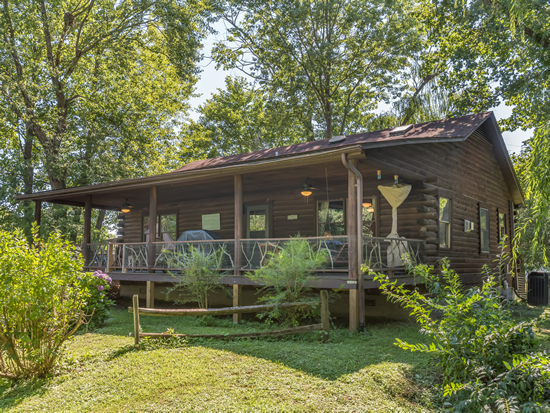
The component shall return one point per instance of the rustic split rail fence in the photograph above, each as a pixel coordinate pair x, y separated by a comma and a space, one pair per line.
324, 325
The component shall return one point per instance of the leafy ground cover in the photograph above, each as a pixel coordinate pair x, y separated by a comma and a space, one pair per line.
360, 372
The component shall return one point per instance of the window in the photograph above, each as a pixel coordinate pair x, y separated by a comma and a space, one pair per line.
331, 218
483, 230
501, 227
444, 222
168, 227
369, 217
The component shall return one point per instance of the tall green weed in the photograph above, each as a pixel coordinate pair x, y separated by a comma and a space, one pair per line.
486, 357
285, 277
201, 275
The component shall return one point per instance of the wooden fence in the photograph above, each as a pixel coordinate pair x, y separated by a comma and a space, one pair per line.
324, 325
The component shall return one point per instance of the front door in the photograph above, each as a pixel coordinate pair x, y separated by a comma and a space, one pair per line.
257, 221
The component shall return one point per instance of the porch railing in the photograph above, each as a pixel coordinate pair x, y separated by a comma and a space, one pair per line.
379, 254
171, 256
257, 252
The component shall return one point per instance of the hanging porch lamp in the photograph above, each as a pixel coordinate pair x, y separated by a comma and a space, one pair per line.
126, 206
306, 188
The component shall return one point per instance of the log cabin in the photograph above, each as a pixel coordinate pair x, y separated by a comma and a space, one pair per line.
438, 189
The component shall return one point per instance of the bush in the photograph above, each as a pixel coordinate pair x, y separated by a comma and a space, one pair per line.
201, 272
99, 304
485, 356
42, 302
285, 277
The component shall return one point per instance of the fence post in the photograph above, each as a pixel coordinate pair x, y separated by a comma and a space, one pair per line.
135, 302
324, 315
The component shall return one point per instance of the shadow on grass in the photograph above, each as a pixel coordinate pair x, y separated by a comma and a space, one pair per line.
344, 354
13, 393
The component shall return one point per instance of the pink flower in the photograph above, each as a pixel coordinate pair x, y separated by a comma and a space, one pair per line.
100, 287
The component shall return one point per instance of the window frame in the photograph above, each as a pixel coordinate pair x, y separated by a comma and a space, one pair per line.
375, 215
448, 223
488, 229
157, 224
345, 219
501, 236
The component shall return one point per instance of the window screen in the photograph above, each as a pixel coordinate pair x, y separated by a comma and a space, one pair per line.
331, 218
369, 217
444, 222
501, 226
484, 229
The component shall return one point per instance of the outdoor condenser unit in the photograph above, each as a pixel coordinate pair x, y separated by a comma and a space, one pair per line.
537, 293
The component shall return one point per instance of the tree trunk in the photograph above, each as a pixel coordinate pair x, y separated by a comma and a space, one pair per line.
100, 219
76, 225
28, 184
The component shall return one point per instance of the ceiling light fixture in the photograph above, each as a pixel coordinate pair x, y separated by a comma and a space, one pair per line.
126, 206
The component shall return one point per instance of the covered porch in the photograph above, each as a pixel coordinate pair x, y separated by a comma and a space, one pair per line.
331, 199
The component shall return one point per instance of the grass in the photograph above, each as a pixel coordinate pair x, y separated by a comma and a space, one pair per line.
103, 372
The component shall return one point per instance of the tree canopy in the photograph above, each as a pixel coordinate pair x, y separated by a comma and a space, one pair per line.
93, 91
499, 52
338, 58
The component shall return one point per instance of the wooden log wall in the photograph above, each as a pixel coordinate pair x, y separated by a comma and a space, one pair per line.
468, 174
282, 196
465, 172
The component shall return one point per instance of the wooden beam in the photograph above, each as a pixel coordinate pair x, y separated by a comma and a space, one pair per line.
237, 235
87, 219
237, 295
135, 302
325, 321
87, 227
195, 312
337, 281
268, 333
38, 215
153, 202
353, 259
150, 295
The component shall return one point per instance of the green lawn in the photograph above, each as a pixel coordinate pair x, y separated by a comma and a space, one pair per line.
362, 372
350, 373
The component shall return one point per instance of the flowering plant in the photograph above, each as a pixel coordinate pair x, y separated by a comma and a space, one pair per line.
99, 305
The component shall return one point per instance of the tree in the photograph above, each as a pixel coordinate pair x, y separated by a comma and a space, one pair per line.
498, 52
239, 119
93, 90
338, 57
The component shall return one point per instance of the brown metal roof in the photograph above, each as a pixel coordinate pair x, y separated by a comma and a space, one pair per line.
447, 129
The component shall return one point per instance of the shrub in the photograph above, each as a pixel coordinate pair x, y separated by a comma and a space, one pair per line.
286, 275
201, 272
42, 302
99, 304
485, 356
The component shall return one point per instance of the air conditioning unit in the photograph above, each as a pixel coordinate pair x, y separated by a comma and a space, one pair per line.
468, 226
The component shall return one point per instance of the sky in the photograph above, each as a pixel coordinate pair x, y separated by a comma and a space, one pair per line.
211, 80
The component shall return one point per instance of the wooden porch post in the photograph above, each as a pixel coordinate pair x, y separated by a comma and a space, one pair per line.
38, 214
153, 199
237, 289
87, 226
353, 259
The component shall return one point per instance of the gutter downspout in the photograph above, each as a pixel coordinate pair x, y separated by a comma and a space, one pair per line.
361, 290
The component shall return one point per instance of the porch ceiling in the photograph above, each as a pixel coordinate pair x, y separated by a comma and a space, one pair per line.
287, 181
197, 184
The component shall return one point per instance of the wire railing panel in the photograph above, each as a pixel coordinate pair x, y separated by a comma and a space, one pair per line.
378, 254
